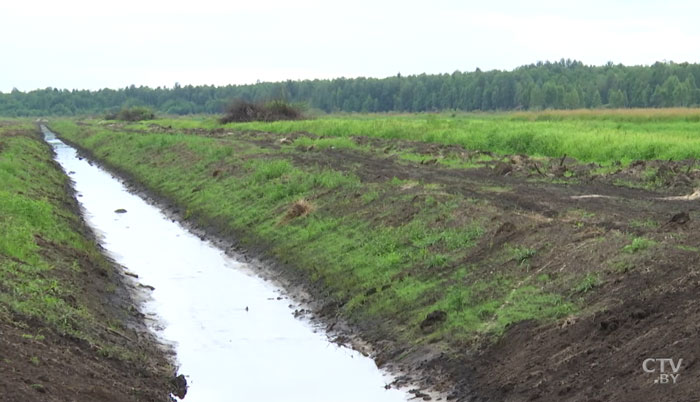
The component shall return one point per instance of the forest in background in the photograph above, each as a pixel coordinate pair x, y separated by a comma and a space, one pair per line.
566, 84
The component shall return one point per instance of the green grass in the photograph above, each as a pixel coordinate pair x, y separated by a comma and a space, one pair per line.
586, 137
323, 143
688, 248
588, 283
638, 244
496, 189
644, 224
522, 255
27, 214
452, 162
600, 136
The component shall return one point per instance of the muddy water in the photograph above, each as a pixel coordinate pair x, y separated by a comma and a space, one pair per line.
234, 340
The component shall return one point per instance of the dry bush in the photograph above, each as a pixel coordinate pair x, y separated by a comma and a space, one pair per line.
243, 111
137, 113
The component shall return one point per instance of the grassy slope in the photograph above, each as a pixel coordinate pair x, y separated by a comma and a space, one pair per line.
31, 188
382, 263
46, 255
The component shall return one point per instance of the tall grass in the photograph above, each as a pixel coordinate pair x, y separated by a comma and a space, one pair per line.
591, 136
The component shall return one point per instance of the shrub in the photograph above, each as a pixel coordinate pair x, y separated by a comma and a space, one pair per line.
136, 113
243, 111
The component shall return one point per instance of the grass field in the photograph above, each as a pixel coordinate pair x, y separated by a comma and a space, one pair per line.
602, 136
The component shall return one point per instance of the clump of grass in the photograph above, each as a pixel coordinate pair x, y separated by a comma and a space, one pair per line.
269, 170
522, 255
638, 244
33, 337
647, 224
588, 282
370, 196
688, 248
437, 261
300, 208
324, 143
622, 266
496, 189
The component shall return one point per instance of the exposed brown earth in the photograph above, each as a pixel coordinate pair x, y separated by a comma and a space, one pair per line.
57, 368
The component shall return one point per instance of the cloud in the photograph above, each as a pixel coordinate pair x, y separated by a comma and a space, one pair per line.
89, 44
91, 8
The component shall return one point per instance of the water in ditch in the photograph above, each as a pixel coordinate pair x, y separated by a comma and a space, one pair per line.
233, 338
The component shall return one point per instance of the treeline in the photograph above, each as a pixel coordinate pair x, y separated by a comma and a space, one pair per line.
565, 84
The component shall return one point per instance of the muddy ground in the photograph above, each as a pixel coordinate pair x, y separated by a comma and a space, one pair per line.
40, 363
582, 217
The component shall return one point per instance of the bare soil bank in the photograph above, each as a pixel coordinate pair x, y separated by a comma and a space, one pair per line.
627, 257
105, 354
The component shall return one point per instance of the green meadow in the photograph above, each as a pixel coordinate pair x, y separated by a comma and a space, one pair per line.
602, 136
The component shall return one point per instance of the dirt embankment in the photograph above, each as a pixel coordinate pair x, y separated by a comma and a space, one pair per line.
572, 282
69, 329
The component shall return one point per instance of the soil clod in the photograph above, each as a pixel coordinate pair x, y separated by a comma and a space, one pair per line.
432, 320
680, 218
179, 384
298, 209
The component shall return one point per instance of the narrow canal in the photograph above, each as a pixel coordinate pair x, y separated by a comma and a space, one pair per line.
234, 334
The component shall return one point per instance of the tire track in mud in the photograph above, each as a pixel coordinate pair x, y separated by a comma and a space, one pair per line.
546, 199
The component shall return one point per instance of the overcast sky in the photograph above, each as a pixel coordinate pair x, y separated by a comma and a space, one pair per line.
88, 44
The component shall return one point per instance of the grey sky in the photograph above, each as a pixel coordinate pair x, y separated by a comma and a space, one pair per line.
87, 44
